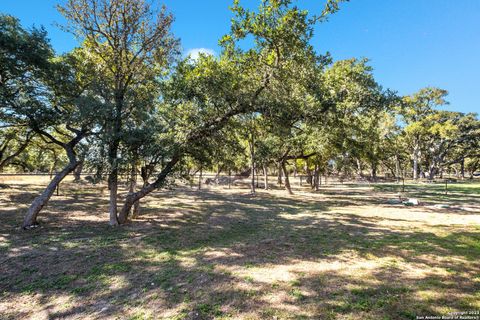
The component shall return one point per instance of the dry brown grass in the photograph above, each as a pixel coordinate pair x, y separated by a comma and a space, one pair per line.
341, 253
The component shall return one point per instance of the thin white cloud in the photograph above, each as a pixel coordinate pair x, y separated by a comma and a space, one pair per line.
194, 54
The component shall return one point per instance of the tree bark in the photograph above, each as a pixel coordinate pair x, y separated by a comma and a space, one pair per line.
220, 168
42, 200
145, 174
54, 165
432, 172
132, 186
308, 172
287, 180
229, 178
113, 183
265, 177
279, 177
397, 167
416, 156
359, 167
462, 168
132, 198
77, 173
373, 173
200, 178
317, 177
252, 162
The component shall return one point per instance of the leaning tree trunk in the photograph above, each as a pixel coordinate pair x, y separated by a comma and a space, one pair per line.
42, 200
287, 180
146, 190
145, 173
220, 169
132, 185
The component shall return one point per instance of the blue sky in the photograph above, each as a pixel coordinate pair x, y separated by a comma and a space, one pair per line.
411, 43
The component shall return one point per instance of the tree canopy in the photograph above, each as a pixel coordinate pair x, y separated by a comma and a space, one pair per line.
124, 103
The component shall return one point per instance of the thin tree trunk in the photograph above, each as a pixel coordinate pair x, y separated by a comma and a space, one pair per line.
373, 172
359, 168
279, 178
415, 162
397, 167
220, 168
113, 183
252, 161
462, 168
113, 186
200, 178
309, 174
77, 173
287, 180
432, 172
265, 177
229, 178
295, 170
317, 177
53, 168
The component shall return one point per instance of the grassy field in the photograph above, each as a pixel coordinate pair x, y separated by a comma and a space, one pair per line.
345, 252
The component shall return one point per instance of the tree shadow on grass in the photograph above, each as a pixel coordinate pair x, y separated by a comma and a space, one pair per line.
192, 259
